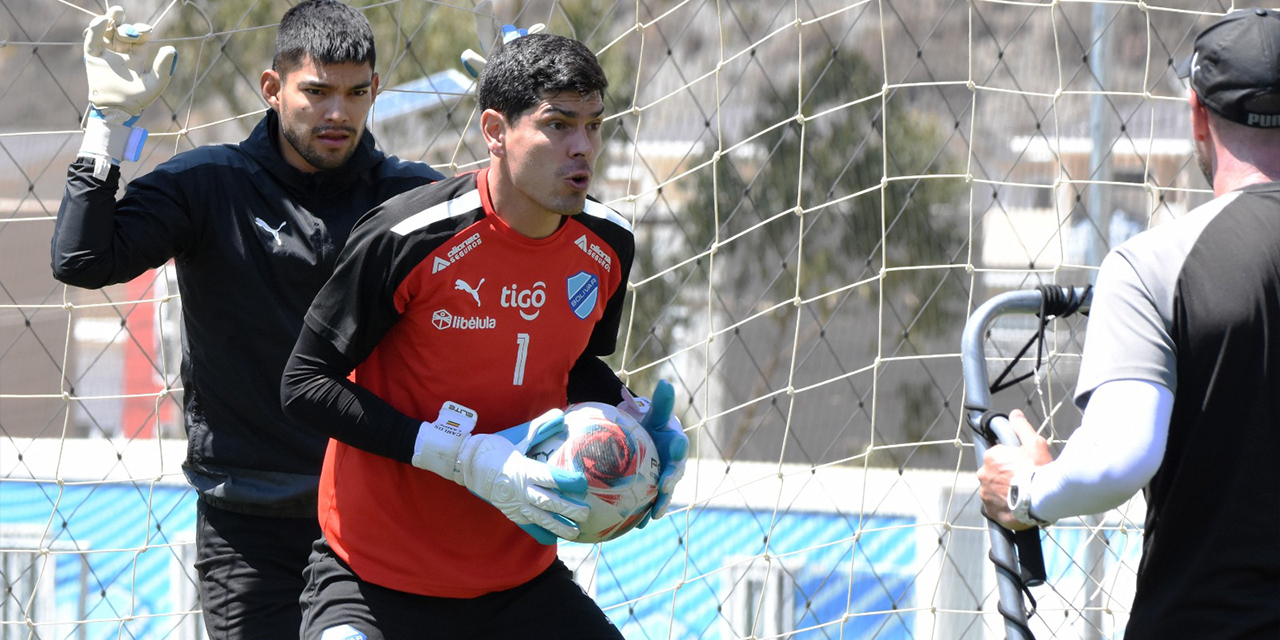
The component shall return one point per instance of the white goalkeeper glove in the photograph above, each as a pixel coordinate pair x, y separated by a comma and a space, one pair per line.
118, 88
493, 466
656, 416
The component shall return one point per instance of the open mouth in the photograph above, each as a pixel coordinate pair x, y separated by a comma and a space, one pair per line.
579, 180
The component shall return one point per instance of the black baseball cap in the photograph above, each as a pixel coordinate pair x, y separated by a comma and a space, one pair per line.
1235, 67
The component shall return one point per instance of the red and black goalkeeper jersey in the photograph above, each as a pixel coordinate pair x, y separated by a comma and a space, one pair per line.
437, 299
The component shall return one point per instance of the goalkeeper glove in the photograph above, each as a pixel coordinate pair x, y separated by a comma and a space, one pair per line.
118, 92
655, 415
532, 494
474, 62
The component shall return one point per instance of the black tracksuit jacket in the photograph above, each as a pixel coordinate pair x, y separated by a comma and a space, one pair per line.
253, 240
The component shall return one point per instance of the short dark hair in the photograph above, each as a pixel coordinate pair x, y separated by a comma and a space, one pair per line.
327, 31
523, 71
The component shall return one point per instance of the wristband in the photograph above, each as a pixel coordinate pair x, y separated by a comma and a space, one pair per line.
115, 142
437, 445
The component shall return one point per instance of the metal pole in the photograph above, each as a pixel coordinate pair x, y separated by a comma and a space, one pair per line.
978, 401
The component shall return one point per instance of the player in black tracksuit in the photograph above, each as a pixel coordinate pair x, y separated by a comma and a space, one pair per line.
253, 238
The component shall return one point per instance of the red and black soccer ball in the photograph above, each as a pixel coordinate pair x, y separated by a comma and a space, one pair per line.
619, 459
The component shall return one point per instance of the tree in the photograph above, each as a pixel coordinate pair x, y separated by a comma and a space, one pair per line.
805, 203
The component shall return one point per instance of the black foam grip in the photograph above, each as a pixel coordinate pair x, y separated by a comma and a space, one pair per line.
1030, 556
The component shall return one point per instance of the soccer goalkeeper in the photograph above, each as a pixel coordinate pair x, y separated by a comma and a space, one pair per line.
255, 229
496, 291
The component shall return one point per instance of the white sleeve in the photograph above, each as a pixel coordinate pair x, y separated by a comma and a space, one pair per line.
1113, 455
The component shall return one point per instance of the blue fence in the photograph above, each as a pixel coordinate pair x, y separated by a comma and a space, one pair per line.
119, 556
822, 565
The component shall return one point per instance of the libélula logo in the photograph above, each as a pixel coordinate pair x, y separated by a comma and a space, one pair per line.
442, 320
513, 297
584, 292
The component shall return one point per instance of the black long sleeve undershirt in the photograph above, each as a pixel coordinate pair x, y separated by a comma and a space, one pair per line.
591, 380
316, 392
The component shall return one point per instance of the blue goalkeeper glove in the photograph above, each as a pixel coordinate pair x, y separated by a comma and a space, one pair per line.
656, 416
493, 466
119, 88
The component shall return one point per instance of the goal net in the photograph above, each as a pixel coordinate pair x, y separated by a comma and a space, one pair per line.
822, 191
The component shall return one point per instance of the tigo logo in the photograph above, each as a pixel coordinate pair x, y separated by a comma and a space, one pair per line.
524, 299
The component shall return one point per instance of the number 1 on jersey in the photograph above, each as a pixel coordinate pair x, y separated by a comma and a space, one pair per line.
522, 353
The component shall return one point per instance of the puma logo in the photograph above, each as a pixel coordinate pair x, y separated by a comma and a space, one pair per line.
275, 233
475, 293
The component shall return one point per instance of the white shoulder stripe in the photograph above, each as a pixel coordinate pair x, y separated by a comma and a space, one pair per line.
597, 210
468, 201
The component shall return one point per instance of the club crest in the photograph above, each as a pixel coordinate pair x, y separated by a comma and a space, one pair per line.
584, 291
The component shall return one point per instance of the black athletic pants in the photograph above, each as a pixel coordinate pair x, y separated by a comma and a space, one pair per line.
337, 605
250, 570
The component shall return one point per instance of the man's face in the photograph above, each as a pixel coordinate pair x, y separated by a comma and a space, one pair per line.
551, 151
322, 111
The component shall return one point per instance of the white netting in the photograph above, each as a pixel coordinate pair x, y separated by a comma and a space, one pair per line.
822, 191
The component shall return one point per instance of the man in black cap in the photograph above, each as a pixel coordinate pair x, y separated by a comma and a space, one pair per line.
1180, 378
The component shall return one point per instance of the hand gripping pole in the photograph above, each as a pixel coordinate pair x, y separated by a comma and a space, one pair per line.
1017, 557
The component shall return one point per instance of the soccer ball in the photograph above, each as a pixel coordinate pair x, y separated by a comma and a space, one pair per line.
619, 459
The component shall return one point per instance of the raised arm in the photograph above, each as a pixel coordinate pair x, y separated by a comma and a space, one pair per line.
92, 246
98, 241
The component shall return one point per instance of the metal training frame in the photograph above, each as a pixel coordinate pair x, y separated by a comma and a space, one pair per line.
1017, 556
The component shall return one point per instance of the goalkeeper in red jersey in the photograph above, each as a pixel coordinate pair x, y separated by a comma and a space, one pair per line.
493, 295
